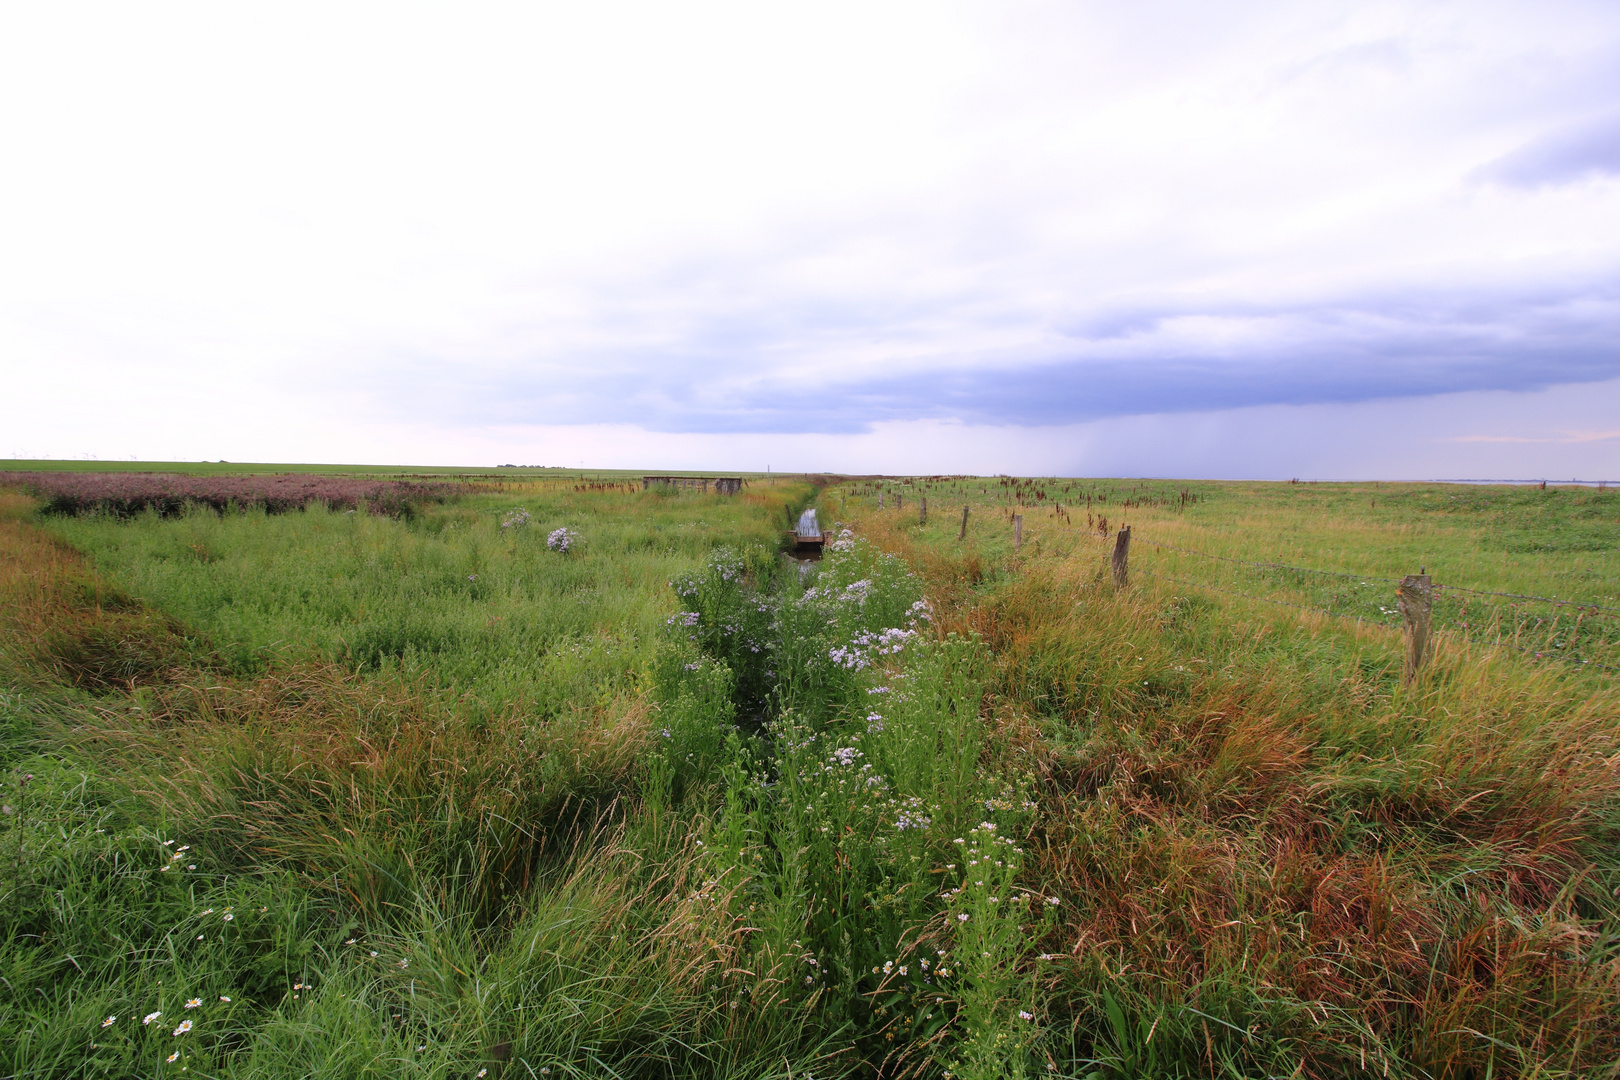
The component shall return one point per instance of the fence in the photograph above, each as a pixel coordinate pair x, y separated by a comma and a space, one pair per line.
1415, 598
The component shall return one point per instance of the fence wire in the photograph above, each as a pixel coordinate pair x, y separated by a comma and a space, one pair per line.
1534, 653
1264, 565
1594, 608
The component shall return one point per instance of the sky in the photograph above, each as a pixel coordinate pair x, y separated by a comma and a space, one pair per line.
1269, 240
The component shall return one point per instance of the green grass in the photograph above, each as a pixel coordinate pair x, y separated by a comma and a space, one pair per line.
1273, 856
487, 614
664, 806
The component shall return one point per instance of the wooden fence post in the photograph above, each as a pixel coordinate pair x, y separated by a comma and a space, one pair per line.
1122, 555
963, 534
1414, 598
880, 500
1018, 531
924, 519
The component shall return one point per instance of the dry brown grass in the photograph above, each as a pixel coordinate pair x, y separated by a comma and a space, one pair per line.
1413, 876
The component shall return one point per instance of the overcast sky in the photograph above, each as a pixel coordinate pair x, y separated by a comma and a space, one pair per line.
1191, 239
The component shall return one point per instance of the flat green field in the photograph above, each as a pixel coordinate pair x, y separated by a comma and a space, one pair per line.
559, 780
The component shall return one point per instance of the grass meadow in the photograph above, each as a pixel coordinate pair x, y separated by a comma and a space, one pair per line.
559, 777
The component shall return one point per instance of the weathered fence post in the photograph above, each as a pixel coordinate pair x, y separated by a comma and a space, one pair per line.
1122, 556
1018, 531
899, 501
880, 500
924, 519
963, 534
1414, 598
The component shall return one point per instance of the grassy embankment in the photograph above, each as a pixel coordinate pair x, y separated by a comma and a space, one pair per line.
353, 728
1274, 859
1168, 832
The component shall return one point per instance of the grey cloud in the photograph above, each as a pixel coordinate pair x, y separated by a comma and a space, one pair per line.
727, 375
1572, 153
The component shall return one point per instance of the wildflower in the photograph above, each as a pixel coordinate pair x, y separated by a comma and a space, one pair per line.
185, 1026
1022, 1015
483, 1072
1052, 900
168, 843
208, 911
962, 917
149, 1017
404, 963
110, 1021
373, 952
349, 942
193, 866
172, 1056
263, 910
225, 999
193, 1003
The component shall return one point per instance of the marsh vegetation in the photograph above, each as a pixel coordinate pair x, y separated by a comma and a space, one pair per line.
439, 794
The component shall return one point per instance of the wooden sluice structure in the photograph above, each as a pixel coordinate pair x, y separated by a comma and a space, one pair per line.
807, 536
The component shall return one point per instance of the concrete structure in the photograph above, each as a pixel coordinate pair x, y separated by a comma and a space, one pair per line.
723, 485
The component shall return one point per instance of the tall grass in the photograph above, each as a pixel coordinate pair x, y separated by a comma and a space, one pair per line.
655, 807
413, 886
1273, 859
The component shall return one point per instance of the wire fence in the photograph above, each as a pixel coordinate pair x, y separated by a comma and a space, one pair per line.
1595, 609
1266, 565
1564, 640
1579, 605
1247, 596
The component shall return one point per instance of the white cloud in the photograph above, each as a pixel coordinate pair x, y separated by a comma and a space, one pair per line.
453, 223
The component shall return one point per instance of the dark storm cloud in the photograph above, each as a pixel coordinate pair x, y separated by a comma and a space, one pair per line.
731, 375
